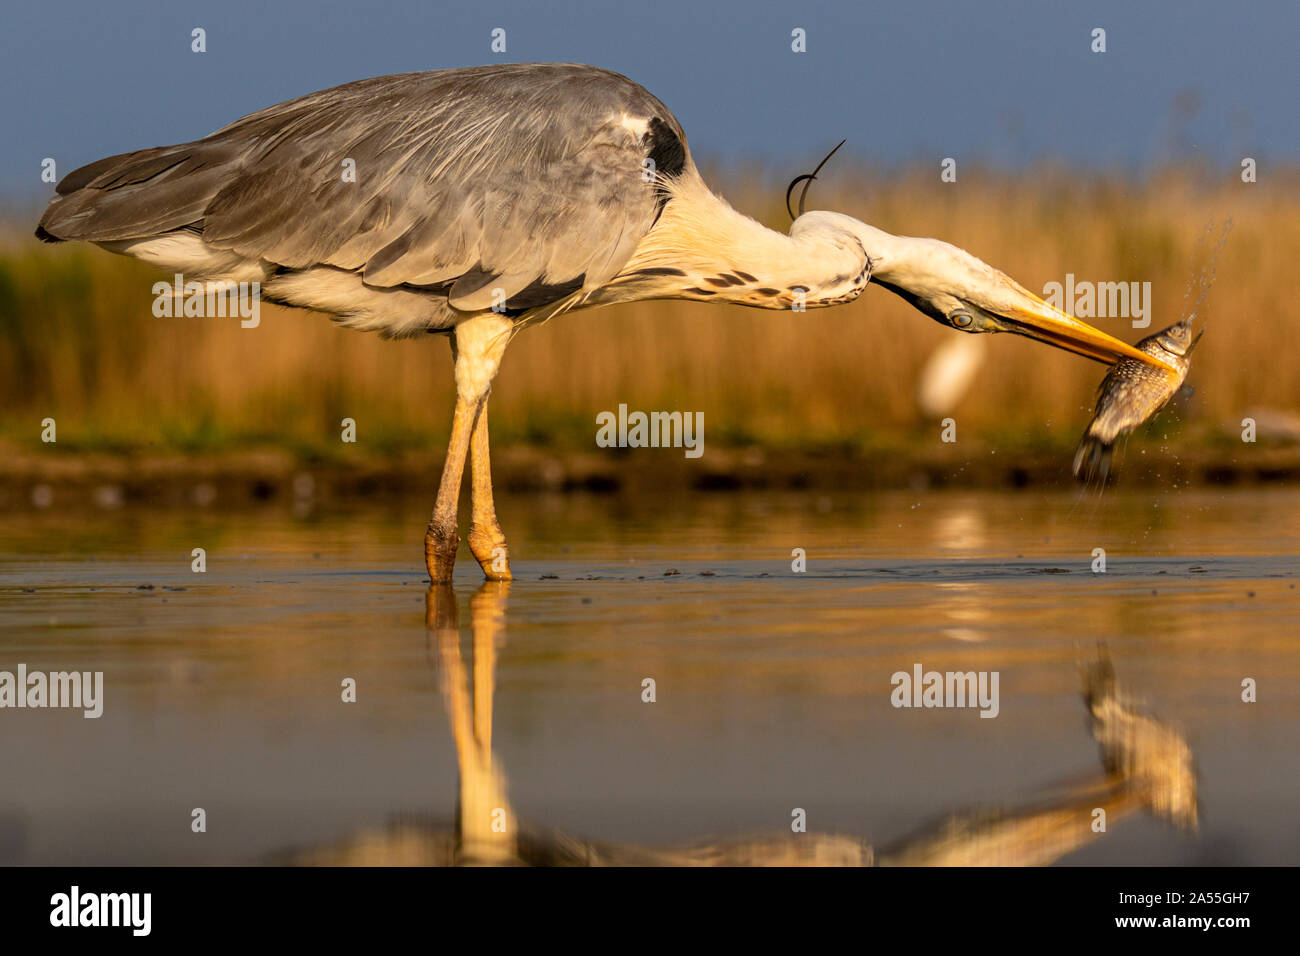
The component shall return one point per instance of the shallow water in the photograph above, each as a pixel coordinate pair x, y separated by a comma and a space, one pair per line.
222, 689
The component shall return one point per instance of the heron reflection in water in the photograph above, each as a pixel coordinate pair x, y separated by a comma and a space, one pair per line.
1145, 766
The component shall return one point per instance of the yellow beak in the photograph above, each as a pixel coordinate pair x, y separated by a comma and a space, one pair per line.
1040, 321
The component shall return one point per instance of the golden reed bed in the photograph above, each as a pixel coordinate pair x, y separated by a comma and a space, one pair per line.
79, 343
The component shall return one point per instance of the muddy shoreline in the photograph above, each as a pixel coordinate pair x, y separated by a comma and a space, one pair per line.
103, 479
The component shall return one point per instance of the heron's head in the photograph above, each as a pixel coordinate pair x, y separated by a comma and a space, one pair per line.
960, 291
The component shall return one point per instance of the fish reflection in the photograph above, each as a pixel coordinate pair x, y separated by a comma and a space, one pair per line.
1146, 766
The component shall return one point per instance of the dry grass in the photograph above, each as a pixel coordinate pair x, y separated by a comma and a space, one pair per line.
78, 341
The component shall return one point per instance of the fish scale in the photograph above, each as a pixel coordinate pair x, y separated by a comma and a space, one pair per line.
1132, 393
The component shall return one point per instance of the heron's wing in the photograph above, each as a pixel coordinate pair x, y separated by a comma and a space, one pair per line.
529, 179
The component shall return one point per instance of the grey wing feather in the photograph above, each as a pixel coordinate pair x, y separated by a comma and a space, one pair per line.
135, 195
527, 178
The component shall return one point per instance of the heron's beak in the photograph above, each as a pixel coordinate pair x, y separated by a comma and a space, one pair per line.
1033, 317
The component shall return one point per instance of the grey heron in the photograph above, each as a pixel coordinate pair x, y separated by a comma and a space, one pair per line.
490, 198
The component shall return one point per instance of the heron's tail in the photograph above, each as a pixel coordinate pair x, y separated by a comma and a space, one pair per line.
136, 195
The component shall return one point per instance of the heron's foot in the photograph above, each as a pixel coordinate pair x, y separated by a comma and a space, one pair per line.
488, 545
440, 544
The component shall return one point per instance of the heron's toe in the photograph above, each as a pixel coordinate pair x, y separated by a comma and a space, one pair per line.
488, 545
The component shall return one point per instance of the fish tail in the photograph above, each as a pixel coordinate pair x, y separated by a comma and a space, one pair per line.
1092, 460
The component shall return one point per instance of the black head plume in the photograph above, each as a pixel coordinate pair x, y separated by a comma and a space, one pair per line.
807, 179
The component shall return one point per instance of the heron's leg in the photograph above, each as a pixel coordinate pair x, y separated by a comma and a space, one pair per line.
477, 345
441, 540
486, 540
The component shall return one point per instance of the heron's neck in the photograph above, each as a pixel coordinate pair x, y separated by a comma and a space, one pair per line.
702, 249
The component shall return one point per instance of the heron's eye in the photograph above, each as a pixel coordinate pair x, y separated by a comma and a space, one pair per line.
961, 320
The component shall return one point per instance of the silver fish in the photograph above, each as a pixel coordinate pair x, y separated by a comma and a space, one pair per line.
1131, 394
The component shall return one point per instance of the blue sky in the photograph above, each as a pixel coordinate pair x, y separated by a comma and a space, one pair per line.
1005, 83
